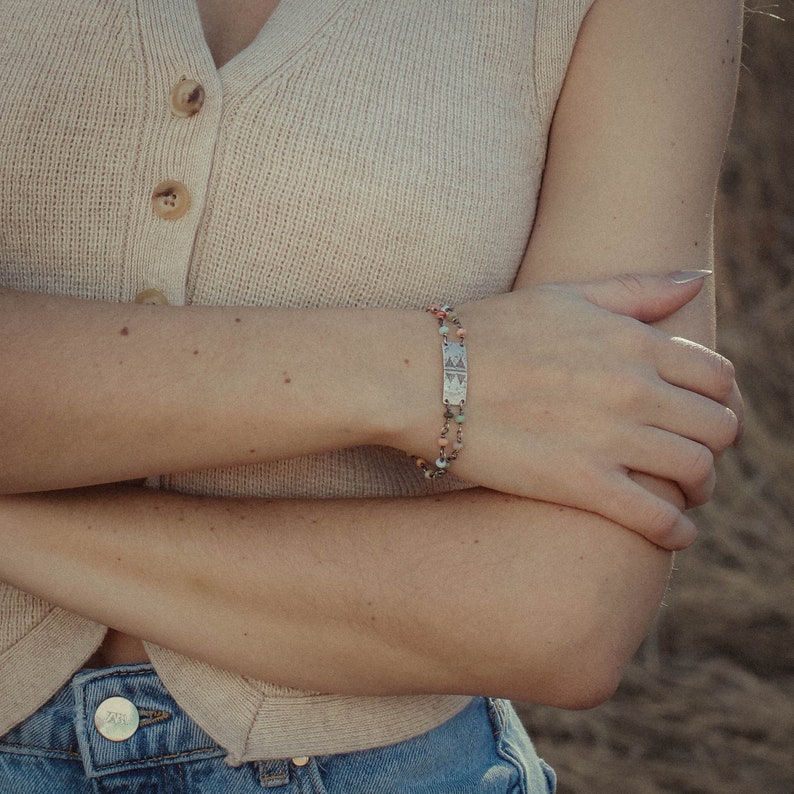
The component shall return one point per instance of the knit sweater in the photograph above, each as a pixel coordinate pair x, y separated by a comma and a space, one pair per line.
356, 154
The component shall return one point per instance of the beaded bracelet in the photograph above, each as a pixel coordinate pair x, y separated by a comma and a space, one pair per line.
454, 391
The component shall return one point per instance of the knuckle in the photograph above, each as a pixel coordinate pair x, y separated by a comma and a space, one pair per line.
662, 523
702, 494
631, 282
631, 389
643, 340
724, 376
700, 465
729, 429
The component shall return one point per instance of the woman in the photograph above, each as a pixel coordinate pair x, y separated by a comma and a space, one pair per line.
305, 191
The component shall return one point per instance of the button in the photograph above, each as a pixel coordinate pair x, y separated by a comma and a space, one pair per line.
116, 719
187, 98
151, 297
300, 760
170, 200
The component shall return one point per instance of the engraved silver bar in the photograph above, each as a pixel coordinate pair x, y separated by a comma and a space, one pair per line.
455, 372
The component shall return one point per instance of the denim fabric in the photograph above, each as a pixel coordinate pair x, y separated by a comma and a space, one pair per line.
482, 749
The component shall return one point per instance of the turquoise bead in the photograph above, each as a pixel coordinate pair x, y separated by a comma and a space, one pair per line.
460, 418
444, 329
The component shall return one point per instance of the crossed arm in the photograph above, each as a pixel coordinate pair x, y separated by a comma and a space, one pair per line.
613, 424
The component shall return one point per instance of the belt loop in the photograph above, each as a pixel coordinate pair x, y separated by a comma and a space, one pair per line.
273, 774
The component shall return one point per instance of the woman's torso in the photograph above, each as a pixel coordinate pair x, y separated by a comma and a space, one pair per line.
355, 154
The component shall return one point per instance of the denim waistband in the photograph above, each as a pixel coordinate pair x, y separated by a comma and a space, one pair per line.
165, 735
120, 730
67, 727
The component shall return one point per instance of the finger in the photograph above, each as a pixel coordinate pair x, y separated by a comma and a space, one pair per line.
693, 417
643, 296
627, 503
691, 366
687, 463
736, 404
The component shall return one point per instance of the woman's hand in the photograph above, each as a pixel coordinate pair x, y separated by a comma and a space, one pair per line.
571, 391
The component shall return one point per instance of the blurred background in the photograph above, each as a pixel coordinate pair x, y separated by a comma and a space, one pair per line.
708, 705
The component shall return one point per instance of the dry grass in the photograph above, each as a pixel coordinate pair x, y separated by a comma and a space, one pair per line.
708, 706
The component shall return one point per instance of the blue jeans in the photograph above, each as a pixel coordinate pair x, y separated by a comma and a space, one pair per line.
59, 749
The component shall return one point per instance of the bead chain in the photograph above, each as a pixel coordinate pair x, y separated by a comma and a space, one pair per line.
446, 315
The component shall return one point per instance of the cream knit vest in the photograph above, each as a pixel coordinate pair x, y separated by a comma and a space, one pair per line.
378, 153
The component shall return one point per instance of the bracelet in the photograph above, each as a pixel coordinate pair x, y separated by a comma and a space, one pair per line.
454, 391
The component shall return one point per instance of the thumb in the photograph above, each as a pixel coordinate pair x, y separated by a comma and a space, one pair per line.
644, 296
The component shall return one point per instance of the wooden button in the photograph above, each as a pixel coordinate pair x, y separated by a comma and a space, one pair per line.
187, 98
151, 297
170, 200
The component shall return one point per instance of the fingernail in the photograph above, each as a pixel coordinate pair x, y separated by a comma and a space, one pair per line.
685, 276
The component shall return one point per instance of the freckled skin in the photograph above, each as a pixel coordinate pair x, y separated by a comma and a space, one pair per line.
125, 331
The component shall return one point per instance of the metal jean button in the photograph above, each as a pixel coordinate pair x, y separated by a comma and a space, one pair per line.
116, 719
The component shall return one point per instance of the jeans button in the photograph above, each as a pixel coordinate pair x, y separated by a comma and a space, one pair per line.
116, 719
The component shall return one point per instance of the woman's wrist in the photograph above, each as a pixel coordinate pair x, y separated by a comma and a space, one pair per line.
411, 379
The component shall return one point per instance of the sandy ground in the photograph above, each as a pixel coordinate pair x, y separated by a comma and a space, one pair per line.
708, 706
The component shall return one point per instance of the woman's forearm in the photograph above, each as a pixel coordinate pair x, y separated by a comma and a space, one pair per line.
97, 392
567, 393
364, 596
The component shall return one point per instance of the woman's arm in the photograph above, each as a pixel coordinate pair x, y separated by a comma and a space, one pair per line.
636, 147
474, 591
101, 392
97, 393
635, 151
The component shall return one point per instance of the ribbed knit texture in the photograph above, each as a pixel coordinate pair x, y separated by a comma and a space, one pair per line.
380, 153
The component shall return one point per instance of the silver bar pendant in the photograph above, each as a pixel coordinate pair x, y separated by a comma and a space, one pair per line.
455, 373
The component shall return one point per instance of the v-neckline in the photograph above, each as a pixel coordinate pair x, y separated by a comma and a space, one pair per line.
212, 19
286, 31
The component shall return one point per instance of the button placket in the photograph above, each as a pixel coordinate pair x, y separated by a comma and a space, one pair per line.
179, 127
